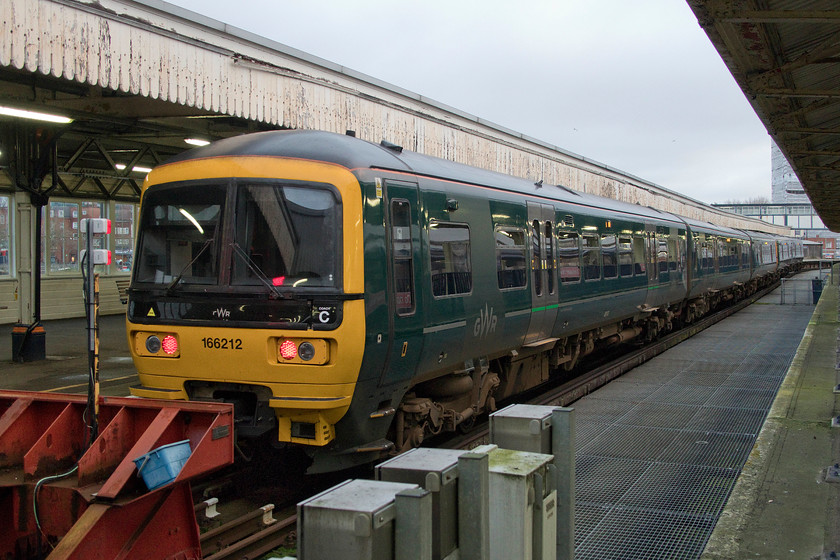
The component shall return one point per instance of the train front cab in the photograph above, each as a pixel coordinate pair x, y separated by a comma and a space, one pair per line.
231, 297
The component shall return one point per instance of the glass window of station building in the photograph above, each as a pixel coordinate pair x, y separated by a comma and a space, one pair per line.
799, 217
61, 239
5, 237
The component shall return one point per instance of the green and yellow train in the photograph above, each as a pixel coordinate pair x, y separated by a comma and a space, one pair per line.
353, 298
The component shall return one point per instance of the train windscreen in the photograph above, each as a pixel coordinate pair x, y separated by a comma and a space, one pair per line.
179, 235
286, 235
273, 236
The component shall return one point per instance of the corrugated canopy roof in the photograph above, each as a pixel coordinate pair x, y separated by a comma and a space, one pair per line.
785, 55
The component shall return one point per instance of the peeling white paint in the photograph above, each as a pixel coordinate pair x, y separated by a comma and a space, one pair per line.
134, 47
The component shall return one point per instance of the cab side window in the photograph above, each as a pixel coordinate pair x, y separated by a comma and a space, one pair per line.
403, 257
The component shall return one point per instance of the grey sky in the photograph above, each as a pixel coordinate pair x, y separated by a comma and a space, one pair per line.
633, 84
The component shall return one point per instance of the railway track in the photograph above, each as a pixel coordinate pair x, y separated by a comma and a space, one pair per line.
256, 533
249, 536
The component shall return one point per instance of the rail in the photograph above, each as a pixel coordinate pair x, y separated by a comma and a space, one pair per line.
248, 536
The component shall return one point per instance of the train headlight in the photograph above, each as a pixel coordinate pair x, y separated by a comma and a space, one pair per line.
306, 351
309, 351
153, 344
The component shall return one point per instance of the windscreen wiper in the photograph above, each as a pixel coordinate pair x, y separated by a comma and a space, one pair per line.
254, 267
178, 278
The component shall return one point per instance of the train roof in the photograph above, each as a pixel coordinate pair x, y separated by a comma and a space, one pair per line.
354, 153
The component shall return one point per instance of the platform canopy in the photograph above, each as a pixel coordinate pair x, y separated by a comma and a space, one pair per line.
785, 55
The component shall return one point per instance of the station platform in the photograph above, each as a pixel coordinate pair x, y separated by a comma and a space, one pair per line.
66, 368
718, 448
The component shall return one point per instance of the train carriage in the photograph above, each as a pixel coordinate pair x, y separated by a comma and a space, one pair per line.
764, 257
352, 298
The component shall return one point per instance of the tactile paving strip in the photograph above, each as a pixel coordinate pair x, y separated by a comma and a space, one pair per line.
660, 449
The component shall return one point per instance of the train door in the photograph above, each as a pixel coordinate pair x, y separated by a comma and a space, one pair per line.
663, 258
403, 239
544, 293
652, 265
652, 256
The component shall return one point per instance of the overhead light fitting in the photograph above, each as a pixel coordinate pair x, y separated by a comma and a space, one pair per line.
34, 115
194, 222
136, 169
196, 141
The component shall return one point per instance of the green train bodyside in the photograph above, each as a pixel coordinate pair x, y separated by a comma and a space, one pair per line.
486, 328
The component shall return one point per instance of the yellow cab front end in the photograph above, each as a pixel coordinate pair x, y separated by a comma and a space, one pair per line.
247, 287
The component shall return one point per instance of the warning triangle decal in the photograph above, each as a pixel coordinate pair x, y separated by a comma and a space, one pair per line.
151, 312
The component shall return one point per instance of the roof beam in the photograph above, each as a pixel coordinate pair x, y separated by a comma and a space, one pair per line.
826, 52
808, 153
808, 130
124, 107
798, 92
778, 16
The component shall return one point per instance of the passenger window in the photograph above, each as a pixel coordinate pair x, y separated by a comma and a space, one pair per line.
707, 256
403, 257
608, 250
449, 248
639, 256
510, 258
672, 254
625, 256
569, 257
662, 254
591, 257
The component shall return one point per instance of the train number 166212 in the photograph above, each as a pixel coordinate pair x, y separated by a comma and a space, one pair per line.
222, 343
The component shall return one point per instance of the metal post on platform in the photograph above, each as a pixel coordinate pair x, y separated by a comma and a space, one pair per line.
93, 335
562, 447
91, 258
413, 527
474, 505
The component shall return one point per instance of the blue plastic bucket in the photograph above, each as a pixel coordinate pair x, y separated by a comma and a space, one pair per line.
161, 466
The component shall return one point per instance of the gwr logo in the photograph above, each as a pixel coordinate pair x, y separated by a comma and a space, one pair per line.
485, 323
221, 313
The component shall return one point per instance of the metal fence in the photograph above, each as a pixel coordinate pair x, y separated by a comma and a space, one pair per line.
803, 289
799, 291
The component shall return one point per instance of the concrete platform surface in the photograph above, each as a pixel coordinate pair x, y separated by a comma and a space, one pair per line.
66, 367
782, 505
660, 450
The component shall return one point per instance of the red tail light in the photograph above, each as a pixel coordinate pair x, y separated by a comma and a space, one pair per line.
288, 350
169, 344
